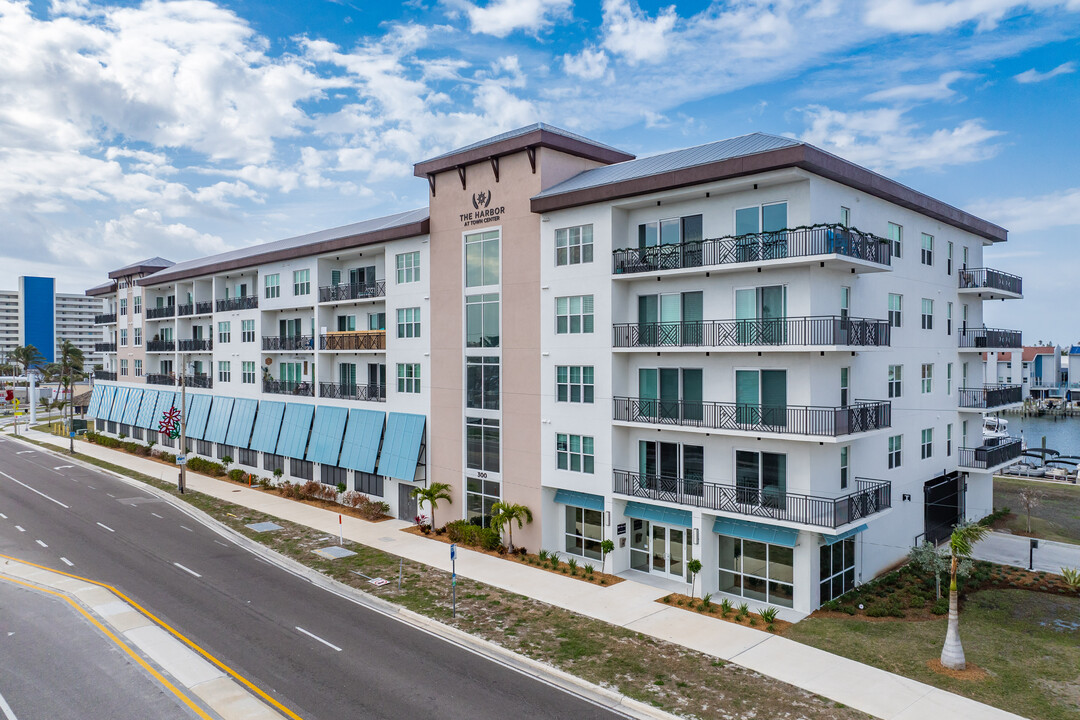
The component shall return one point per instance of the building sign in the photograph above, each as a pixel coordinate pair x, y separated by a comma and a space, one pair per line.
482, 211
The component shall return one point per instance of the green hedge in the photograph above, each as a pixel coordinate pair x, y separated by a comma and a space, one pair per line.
461, 531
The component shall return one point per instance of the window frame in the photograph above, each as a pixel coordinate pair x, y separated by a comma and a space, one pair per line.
565, 385
569, 453
407, 265
301, 282
408, 378
585, 320
895, 452
272, 286
566, 244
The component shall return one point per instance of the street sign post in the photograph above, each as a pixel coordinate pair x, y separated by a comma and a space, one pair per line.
181, 460
453, 577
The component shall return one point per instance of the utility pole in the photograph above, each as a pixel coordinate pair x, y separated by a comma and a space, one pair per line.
71, 405
183, 422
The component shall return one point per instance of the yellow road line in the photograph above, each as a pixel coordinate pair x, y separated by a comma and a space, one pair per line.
247, 683
109, 633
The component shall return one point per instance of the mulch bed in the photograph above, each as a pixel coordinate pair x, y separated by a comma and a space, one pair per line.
971, 672
697, 605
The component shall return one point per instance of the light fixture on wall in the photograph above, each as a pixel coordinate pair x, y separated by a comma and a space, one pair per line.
906, 497
607, 518
697, 536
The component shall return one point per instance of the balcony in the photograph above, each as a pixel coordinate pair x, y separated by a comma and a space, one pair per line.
105, 318
353, 340
990, 456
869, 498
238, 303
352, 291
153, 379
288, 342
991, 284
284, 387
868, 252
196, 345
796, 332
989, 339
199, 381
161, 346
204, 308
188, 309
371, 393
105, 347
991, 397
166, 311
863, 416
104, 375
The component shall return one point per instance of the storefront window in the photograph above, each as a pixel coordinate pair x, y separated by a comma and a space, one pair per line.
837, 569
758, 571
584, 531
480, 495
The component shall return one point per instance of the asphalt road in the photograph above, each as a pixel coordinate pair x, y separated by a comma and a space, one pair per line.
253, 616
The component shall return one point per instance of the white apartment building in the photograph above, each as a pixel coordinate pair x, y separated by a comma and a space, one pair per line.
35, 314
751, 353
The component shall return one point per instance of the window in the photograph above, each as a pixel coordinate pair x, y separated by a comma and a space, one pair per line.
482, 320
123, 366
123, 306
896, 235
223, 371
482, 444
408, 377
123, 337
368, 483
927, 257
574, 383
408, 267
247, 331
301, 282
376, 321
837, 570
757, 570
204, 447
138, 305
224, 330
573, 246
273, 285
895, 451
948, 257
247, 370
482, 382
675, 231
138, 336
896, 309
845, 458
138, 368
574, 314
302, 469
273, 462
948, 379
964, 256
948, 440
248, 457
332, 475
927, 443
347, 323
845, 216
845, 386
948, 318
408, 322
480, 495
927, 314
574, 452
482, 259
584, 532
927, 378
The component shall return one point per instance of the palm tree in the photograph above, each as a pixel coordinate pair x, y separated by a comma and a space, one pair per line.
70, 360
963, 539
505, 514
27, 356
431, 495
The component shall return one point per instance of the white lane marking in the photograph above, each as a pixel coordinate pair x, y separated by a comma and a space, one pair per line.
187, 570
9, 714
107, 527
110, 495
23, 452
221, 543
20, 528
2, 515
67, 562
91, 487
35, 490
158, 516
187, 528
41, 543
61, 467
313, 635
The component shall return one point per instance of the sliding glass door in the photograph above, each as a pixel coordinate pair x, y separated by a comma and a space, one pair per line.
668, 395
761, 398
761, 478
761, 313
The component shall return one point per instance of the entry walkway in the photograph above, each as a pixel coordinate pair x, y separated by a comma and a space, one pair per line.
629, 604
1007, 549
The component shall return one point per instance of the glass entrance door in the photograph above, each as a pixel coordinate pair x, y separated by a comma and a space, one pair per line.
668, 552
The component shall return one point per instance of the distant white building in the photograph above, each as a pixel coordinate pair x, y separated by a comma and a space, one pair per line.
35, 314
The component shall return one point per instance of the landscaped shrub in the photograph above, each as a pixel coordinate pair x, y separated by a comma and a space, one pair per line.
237, 475
940, 606
207, 467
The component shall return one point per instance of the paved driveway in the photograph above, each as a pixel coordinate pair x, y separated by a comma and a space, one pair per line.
1013, 550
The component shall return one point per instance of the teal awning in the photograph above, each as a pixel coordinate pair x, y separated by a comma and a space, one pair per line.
831, 539
241, 422
199, 414
146, 410
118, 404
760, 532
656, 513
401, 445
295, 428
363, 435
95, 400
108, 393
579, 499
164, 404
326, 433
217, 425
264, 437
131, 410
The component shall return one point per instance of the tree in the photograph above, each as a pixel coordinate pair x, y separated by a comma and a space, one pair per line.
694, 566
431, 495
1030, 499
963, 539
506, 514
70, 359
606, 548
28, 357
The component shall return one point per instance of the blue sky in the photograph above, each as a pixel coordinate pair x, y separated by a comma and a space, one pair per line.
186, 128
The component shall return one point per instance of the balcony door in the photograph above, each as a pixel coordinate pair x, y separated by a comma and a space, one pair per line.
290, 328
761, 479
670, 395
347, 378
346, 323
376, 380
761, 398
759, 231
662, 464
289, 374
362, 276
670, 318
760, 313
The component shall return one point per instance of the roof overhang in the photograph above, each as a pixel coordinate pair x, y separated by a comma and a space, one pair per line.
103, 289
135, 270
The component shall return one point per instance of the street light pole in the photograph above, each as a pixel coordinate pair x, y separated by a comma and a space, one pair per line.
183, 422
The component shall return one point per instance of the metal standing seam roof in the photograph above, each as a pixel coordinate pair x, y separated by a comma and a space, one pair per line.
264, 437
131, 409
217, 425
146, 410
166, 401
326, 433
295, 430
363, 436
95, 400
119, 403
519, 132
200, 413
241, 422
401, 445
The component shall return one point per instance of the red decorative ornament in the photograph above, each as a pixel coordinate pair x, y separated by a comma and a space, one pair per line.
170, 423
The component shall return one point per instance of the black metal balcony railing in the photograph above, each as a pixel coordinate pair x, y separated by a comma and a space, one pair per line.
991, 453
284, 387
104, 375
199, 381
870, 497
288, 342
352, 291
238, 303
196, 345
360, 340
165, 311
104, 318
155, 379
989, 338
186, 309
105, 347
204, 308
372, 393
863, 416
756, 247
161, 346
991, 396
976, 278
820, 330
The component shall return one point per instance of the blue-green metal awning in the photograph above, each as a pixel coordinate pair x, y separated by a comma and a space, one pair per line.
759, 532
326, 432
831, 539
579, 499
401, 445
363, 436
200, 413
295, 430
264, 437
119, 403
95, 400
241, 422
146, 410
131, 410
656, 513
217, 425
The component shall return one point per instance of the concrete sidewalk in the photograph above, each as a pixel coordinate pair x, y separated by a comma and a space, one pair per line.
1007, 549
628, 604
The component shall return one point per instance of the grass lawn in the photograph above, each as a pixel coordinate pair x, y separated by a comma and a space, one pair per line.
1056, 518
1027, 642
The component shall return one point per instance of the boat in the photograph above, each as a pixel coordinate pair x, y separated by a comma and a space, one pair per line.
1024, 469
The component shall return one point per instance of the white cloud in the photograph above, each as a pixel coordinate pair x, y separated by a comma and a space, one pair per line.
938, 90
633, 35
1034, 76
589, 64
884, 140
1026, 214
502, 17
912, 16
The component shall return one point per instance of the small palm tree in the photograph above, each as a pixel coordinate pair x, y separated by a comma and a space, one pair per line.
431, 495
28, 357
506, 514
963, 539
70, 360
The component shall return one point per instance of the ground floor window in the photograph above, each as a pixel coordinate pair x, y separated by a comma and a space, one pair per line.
368, 483
273, 462
204, 448
99, 424
152, 436
757, 570
112, 427
302, 469
224, 451
137, 433
480, 495
167, 441
244, 456
837, 569
584, 532
125, 430
333, 475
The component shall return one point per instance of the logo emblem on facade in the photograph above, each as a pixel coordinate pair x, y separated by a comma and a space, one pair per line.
481, 199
